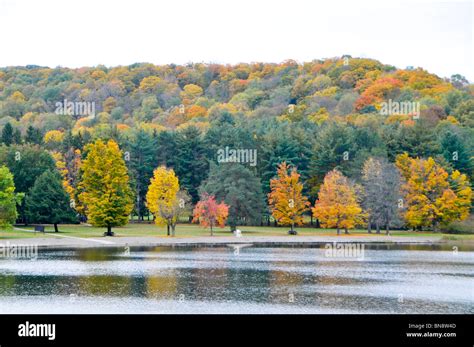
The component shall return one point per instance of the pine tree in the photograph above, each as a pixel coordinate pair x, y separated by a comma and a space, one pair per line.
226, 134
48, 202
240, 189
277, 148
334, 149
17, 136
166, 152
456, 153
417, 140
104, 186
33, 136
142, 161
7, 134
26, 163
191, 163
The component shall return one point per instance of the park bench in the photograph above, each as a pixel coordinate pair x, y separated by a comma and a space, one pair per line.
39, 228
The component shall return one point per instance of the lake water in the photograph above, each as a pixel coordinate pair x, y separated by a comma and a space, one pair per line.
386, 279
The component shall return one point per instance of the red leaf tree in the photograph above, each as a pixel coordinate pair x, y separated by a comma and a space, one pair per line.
209, 213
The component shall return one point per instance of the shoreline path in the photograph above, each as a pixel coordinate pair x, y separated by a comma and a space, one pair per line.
53, 240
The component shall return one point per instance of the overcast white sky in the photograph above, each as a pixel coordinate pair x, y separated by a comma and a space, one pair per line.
435, 35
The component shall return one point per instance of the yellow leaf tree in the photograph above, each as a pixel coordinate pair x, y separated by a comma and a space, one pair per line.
68, 165
462, 188
286, 200
53, 137
104, 186
432, 196
191, 92
161, 198
337, 205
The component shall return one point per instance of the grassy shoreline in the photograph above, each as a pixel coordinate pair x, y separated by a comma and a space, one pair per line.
193, 230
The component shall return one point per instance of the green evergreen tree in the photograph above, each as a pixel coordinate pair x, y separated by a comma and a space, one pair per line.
240, 189
191, 163
418, 140
48, 202
334, 149
142, 162
166, 152
26, 163
7, 134
456, 152
278, 147
17, 136
225, 133
33, 135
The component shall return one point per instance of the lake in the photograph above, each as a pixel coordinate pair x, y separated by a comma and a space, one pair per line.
236, 279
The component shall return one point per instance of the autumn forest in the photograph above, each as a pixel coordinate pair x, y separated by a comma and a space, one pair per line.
338, 143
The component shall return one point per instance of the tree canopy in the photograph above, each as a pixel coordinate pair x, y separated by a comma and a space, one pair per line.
328, 114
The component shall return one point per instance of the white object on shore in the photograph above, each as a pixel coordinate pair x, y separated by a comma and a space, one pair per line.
237, 233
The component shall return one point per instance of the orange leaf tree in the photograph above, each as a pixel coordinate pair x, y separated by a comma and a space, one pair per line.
286, 200
337, 205
433, 196
209, 213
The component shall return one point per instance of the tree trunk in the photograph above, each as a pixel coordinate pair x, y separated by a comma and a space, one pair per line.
109, 230
173, 229
138, 203
56, 227
377, 225
292, 226
212, 232
168, 229
369, 226
387, 229
346, 231
338, 231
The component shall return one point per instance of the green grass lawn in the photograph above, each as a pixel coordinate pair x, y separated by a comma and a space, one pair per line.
194, 230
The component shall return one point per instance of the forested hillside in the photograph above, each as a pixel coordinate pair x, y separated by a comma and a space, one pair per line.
316, 116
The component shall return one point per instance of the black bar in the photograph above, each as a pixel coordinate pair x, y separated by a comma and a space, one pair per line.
317, 330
